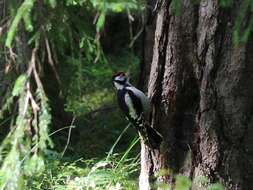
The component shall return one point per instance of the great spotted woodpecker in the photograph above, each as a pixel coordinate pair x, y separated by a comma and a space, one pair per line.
136, 106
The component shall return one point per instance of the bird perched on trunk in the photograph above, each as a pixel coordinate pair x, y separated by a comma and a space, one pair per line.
136, 106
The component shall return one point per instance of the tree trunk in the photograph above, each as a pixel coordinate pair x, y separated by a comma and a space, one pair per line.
201, 88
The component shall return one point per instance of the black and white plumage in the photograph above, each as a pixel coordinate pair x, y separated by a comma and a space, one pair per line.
136, 106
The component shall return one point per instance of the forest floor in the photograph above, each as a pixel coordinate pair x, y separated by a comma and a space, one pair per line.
101, 151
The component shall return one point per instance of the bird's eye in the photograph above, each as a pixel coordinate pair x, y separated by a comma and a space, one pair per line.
120, 81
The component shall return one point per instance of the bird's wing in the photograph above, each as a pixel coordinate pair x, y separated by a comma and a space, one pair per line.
144, 99
130, 105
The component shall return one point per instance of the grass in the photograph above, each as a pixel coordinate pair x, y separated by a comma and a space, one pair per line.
115, 171
88, 174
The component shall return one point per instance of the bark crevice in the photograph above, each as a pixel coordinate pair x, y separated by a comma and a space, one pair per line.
201, 87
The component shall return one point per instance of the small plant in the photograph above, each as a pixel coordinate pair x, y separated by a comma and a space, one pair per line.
115, 171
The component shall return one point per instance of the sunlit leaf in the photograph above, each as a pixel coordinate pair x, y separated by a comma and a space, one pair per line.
215, 186
52, 3
26, 7
19, 85
183, 183
101, 21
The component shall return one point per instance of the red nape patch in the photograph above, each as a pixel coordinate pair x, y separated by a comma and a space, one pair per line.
119, 74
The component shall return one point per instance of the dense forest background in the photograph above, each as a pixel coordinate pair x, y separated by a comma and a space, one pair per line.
59, 117
60, 126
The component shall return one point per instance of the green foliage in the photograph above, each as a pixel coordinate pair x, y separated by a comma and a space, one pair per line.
22, 13
243, 30
102, 7
21, 152
19, 85
203, 182
243, 24
44, 118
225, 3
215, 186
117, 5
116, 171
101, 21
176, 7
62, 37
89, 87
111, 173
52, 3
182, 183
91, 175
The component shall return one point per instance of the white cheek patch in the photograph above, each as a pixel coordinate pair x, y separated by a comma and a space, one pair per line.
118, 86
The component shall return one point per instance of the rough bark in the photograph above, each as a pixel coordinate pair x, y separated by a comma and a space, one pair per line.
201, 88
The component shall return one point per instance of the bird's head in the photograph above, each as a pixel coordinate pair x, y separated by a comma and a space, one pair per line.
119, 80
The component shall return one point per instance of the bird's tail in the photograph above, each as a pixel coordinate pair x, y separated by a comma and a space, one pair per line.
150, 136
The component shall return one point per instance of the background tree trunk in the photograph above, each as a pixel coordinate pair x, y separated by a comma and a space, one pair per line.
148, 43
201, 87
